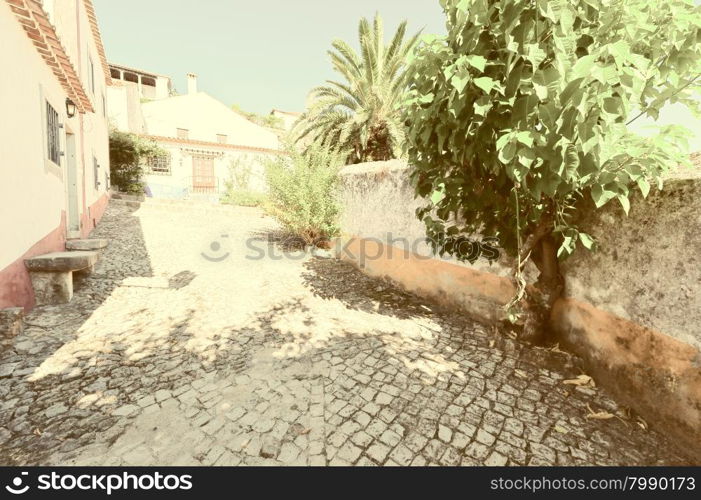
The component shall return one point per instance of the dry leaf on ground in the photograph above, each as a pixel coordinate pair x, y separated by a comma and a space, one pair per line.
580, 380
599, 415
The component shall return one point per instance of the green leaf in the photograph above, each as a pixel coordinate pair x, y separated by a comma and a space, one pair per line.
644, 186
503, 140
437, 196
571, 161
459, 82
507, 153
535, 54
525, 138
567, 246
625, 203
620, 50
477, 62
540, 90
586, 240
485, 83
601, 196
526, 157
583, 67
482, 105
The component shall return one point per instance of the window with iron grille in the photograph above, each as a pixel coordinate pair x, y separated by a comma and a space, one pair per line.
52, 136
96, 172
159, 165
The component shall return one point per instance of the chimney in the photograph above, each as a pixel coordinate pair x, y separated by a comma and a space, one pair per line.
191, 83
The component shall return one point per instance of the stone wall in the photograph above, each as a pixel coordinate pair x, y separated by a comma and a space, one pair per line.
631, 310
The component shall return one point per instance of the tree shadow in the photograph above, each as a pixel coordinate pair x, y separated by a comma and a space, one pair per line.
48, 328
334, 279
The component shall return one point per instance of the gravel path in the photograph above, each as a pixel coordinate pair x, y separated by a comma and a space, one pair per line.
182, 348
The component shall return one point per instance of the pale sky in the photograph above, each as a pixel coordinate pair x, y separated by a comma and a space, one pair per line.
261, 54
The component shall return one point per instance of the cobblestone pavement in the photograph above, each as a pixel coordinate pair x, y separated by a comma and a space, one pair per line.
165, 357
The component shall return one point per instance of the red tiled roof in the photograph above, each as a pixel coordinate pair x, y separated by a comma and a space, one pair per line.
238, 147
98, 40
32, 17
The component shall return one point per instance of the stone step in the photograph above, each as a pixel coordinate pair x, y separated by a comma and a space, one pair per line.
128, 197
86, 244
129, 203
62, 261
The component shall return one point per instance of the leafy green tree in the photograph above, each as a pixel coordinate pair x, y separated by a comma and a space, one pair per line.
363, 113
519, 117
127, 153
262, 120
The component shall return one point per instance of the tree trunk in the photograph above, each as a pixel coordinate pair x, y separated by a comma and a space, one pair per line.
545, 291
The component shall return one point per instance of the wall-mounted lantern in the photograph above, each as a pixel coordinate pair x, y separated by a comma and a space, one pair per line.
70, 108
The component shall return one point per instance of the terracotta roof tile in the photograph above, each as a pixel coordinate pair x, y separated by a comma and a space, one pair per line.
238, 147
90, 9
32, 17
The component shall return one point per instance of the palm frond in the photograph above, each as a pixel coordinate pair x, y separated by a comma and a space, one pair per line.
363, 113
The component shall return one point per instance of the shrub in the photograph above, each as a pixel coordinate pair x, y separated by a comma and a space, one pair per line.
127, 152
244, 198
303, 192
237, 190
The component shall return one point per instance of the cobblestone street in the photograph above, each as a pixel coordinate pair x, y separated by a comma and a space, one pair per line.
182, 349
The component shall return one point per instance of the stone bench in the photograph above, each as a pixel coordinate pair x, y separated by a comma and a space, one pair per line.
52, 274
86, 244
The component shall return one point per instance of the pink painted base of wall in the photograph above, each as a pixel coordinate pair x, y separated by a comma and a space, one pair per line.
653, 373
92, 216
657, 375
15, 285
479, 293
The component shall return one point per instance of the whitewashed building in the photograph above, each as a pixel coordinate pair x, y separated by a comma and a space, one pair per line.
208, 144
54, 172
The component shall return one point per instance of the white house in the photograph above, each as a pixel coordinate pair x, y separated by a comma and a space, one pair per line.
54, 155
207, 143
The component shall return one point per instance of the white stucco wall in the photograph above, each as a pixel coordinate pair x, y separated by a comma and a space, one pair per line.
124, 108
204, 117
176, 184
73, 27
379, 204
32, 189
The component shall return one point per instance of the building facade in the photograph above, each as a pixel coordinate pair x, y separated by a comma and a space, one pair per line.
208, 146
54, 167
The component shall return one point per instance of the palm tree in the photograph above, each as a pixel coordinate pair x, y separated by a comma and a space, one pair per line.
362, 114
